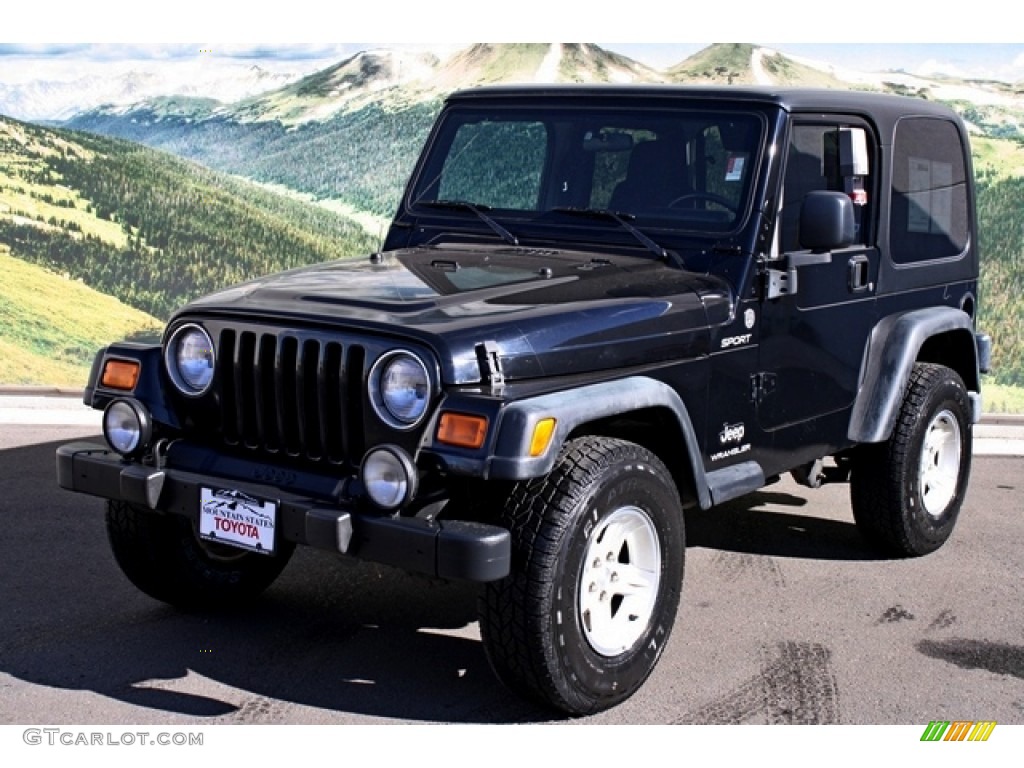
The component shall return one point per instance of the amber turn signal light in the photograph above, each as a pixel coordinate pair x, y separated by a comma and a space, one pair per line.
462, 430
120, 374
542, 435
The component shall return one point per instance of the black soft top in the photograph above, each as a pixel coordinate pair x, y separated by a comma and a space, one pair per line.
882, 109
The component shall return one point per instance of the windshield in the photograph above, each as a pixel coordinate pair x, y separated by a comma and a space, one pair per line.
672, 168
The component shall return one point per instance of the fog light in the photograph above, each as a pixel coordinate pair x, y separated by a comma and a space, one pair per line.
389, 476
127, 427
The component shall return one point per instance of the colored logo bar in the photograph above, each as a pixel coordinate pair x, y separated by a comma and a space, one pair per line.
958, 730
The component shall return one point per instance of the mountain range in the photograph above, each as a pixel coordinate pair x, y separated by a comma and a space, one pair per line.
401, 78
49, 98
346, 137
272, 89
350, 132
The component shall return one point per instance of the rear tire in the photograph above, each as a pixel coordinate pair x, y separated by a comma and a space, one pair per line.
907, 492
162, 556
597, 567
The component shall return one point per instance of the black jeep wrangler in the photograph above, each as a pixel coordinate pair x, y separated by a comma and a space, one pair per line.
595, 308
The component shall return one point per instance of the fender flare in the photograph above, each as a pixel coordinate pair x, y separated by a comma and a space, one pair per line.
892, 350
572, 408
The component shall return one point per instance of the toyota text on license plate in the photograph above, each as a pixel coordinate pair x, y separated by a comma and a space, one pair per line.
235, 518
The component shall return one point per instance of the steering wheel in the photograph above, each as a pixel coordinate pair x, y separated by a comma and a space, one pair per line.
710, 197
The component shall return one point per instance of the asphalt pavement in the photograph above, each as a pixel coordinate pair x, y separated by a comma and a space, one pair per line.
787, 617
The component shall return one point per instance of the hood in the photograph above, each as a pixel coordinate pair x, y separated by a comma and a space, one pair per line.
550, 312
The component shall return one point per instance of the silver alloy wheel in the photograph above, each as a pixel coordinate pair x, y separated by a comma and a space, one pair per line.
619, 582
939, 470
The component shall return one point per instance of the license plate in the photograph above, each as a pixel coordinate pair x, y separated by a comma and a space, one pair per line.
231, 517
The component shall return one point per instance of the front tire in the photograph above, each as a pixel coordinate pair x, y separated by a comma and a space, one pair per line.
906, 493
162, 556
597, 567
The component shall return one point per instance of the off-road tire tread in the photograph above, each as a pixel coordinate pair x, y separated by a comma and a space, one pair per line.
513, 611
160, 556
879, 471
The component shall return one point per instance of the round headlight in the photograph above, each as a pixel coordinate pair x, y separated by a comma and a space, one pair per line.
389, 476
190, 360
400, 389
127, 426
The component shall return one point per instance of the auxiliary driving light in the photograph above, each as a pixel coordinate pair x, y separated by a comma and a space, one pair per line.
389, 476
127, 426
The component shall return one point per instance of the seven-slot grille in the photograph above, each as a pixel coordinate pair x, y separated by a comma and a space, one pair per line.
292, 394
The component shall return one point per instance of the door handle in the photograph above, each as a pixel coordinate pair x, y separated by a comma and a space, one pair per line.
859, 273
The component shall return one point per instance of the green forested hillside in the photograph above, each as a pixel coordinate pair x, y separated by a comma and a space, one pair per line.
148, 228
362, 157
1001, 234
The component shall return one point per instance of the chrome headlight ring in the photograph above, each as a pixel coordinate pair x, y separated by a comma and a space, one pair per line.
190, 360
400, 389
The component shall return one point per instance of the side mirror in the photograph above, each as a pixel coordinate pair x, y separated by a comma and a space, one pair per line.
826, 221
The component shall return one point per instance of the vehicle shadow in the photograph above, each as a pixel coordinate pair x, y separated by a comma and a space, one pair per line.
758, 524
327, 640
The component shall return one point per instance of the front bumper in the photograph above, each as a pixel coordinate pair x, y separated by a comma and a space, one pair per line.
454, 549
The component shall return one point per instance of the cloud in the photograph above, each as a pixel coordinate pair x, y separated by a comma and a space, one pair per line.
41, 49
101, 52
288, 52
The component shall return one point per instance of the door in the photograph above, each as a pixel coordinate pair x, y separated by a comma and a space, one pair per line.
813, 338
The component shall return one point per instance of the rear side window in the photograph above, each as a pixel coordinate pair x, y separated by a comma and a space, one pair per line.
930, 214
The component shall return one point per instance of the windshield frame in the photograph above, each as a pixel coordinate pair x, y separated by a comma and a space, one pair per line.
564, 123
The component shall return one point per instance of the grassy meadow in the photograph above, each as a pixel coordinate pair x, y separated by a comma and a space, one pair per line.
53, 325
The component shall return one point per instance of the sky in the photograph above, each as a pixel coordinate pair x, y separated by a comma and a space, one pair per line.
198, 40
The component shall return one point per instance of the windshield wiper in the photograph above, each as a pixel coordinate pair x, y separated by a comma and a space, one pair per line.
623, 219
462, 205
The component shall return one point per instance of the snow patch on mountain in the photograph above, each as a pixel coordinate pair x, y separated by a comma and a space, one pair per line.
548, 71
60, 97
939, 87
757, 65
